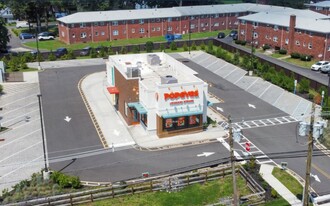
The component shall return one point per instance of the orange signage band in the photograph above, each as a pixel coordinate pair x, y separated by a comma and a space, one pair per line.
182, 95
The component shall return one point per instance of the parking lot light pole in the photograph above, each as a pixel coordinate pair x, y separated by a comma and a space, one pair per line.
38, 52
42, 133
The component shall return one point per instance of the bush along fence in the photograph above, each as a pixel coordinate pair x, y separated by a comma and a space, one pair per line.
168, 183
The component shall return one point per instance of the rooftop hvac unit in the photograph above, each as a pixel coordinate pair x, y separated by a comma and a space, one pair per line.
168, 79
133, 72
153, 59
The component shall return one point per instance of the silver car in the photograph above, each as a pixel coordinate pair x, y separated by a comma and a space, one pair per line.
320, 66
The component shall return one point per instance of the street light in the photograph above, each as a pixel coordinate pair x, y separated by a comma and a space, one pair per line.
38, 52
189, 35
42, 133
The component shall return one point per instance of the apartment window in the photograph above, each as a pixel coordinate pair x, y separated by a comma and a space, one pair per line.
82, 25
63, 34
73, 35
310, 34
96, 33
267, 36
158, 28
96, 23
141, 21
115, 32
169, 28
275, 27
133, 21
229, 23
102, 23
202, 17
328, 48
202, 25
216, 16
275, 39
236, 22
318, 8
236, 14
310, 45
102, 33
192, 26
152, 20
158, 20
304, 44
169, 19
255, 24
286, 41
133, 31
83, 35
216, 24
142, 31
243, 22
192, 17
297, 42
153, 29
223, 23
72, 25
123, 22
115, 23
242, 32
177, 19
255, 35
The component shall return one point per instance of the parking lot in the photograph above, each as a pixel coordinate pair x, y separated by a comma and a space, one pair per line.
21, 148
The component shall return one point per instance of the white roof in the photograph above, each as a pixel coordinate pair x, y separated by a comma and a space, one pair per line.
320, 4
117, 15
305, 20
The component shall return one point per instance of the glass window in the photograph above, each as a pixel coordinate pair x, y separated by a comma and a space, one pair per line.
133, 31
102, 33
83, 35
192, 26
141, 21
102, 23
310, 45
115, 23
169, 19
82, 24
181, 122
96, 33
216, 16
158, 28
142, 31
169, 28
297, 42
168, 123
286, 41
132, 21
96, 23
275, 27
72, 25
275, 39
144, 119
115, 32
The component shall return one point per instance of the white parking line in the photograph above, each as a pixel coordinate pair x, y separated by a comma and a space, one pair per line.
203, 60
19, 108
251, 84
220, 68
10, 103
254, 123
20, 151
229, 73
211, 64
286, 119
239, 79
247, 124
15, 93
20, 116
20, 167
278, 98
265, 90
20, 138
270, 121
263, 122
278, 120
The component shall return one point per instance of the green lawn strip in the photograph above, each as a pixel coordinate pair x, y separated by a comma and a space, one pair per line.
277, 202
288, 181
197, 194
53, 45
300, 63
277, 55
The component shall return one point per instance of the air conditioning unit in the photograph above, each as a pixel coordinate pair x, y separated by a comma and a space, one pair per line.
168, 79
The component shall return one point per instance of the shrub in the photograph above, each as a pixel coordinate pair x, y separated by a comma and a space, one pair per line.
210, 47
162, 47
295, 55
93, 53
65, 181
173, 46
136, 49
1, 89
185, 46
193, 46
123, 50
102, 52
304, 57
110, 51
241, 42
282, 51
236, 60
310, 96
51, 56
303, 85
202, 46
149, 46
273, 193
265, 47
27, 57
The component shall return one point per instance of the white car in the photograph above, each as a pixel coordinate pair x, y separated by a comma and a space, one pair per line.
319, 65
22, 24
46, 36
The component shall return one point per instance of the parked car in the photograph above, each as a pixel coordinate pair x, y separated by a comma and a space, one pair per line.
319, 65
26, 36
221, 35
22, 24
233, 33
46, 36
235, 37
61, 52
85, 51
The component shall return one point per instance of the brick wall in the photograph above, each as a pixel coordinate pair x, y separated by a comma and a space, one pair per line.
325, 11
127, 94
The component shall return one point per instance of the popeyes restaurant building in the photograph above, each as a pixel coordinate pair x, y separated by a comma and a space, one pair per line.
157, 92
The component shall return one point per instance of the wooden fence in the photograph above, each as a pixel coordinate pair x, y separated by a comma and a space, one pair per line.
169, 183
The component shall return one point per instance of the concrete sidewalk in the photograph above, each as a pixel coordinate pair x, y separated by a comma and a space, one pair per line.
266, 172
118, 134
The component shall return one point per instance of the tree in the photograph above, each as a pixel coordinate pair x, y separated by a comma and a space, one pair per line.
4, 37
149, 46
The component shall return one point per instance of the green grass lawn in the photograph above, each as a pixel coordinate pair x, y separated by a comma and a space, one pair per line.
288, 181
277, 202
53, 45
25, 70
197, 194
278, 55
300, 63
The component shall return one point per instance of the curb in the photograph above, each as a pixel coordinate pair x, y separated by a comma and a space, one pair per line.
91, 114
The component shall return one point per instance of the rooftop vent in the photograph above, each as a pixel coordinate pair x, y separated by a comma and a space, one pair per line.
153, 59
168, 79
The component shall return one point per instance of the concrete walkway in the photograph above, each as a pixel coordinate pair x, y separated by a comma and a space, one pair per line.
266, 172
118, 134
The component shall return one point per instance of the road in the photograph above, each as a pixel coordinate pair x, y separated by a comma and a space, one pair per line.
61, 98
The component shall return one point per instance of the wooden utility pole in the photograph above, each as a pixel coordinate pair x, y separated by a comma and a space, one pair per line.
309, 158
232, 161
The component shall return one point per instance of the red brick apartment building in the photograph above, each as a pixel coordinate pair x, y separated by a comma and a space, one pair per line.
125, 24
301, 31
322, 7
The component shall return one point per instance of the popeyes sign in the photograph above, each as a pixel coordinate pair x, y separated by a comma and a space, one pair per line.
182, 95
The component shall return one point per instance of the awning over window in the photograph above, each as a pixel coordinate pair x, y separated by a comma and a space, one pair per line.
138, 107
165, 116
113, 90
